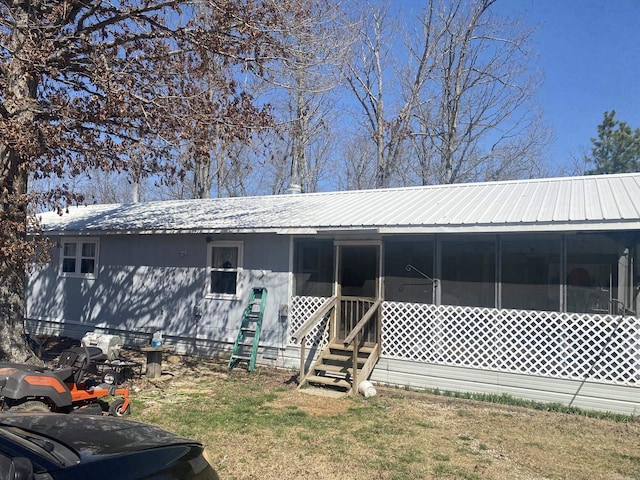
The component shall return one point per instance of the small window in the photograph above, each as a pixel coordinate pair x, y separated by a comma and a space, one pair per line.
225, 263
79, 258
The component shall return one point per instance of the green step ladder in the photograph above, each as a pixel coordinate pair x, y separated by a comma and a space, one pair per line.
246, 346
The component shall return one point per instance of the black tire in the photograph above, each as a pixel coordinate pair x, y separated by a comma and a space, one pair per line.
110, 377
30, 406
116, 410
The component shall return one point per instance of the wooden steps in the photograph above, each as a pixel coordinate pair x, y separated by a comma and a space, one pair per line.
334, 367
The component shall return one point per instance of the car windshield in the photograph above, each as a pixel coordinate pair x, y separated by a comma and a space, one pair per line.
44, 447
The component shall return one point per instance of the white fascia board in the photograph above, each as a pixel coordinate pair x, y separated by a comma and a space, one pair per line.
296, 231
174, 231
540, 228
350, 231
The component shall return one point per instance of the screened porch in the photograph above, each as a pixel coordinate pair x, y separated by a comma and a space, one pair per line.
574, 273
555, 305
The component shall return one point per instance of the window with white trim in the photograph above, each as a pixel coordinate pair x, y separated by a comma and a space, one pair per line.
225, 264
79, 257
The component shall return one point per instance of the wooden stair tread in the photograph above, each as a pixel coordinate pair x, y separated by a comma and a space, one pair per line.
340, 346
334, 368
336, 357
332, 381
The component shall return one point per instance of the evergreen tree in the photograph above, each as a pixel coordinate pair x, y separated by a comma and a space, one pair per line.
616, 149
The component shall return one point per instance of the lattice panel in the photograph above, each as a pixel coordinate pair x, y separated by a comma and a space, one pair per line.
300, 309
604, 348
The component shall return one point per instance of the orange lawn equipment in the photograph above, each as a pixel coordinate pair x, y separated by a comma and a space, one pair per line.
61, 389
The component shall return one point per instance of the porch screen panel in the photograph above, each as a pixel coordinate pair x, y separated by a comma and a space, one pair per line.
402, 282
468, 272
592, 273
313, 268
531, 273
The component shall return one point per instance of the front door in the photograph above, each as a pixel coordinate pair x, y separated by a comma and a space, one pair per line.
358, 286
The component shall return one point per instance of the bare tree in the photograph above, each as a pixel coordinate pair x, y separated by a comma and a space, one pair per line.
455, 104
214, 112
215, 104
316, 40
358, 171
365, 78
372, 78
476, 119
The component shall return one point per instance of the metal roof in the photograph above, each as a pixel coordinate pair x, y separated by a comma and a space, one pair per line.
604, 202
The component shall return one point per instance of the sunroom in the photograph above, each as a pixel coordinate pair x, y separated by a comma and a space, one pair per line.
542, 308
581, 272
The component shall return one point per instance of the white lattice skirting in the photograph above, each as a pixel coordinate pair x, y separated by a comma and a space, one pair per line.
300, 310
600, 348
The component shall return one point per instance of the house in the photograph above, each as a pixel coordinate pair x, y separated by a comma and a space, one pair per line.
528, 288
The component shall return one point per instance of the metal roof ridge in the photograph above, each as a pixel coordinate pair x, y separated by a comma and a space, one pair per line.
493, 183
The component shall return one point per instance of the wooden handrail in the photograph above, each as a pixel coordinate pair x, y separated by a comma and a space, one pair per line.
362, 323
311, 322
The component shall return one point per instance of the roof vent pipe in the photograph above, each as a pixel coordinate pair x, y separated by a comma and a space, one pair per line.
294, 189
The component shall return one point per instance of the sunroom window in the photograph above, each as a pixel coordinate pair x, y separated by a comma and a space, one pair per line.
469, 272
592, 272
531, 272
409, 271
79, 258
313, 268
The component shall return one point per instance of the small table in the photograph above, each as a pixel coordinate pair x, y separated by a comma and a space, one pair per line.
154, 359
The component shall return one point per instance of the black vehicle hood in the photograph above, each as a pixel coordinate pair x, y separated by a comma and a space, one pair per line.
93, 436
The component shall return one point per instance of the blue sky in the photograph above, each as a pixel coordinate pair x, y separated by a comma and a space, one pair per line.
589, 51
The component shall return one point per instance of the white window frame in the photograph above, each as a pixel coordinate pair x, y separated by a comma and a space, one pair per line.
78, 241
238, 269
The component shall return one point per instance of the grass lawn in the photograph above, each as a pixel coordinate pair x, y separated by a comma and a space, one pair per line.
258, 426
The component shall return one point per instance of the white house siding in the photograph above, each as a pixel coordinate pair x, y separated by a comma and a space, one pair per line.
590, 395
146, 283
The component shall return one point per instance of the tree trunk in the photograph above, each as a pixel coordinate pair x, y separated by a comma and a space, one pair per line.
13, 183
13, 342
19, 104
299, 138
202, 175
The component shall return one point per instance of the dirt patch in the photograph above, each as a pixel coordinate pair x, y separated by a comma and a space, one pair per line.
313, 403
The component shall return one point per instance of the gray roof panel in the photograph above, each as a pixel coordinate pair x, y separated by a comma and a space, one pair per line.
571, 203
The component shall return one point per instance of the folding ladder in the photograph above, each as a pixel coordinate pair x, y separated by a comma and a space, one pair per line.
246, 345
